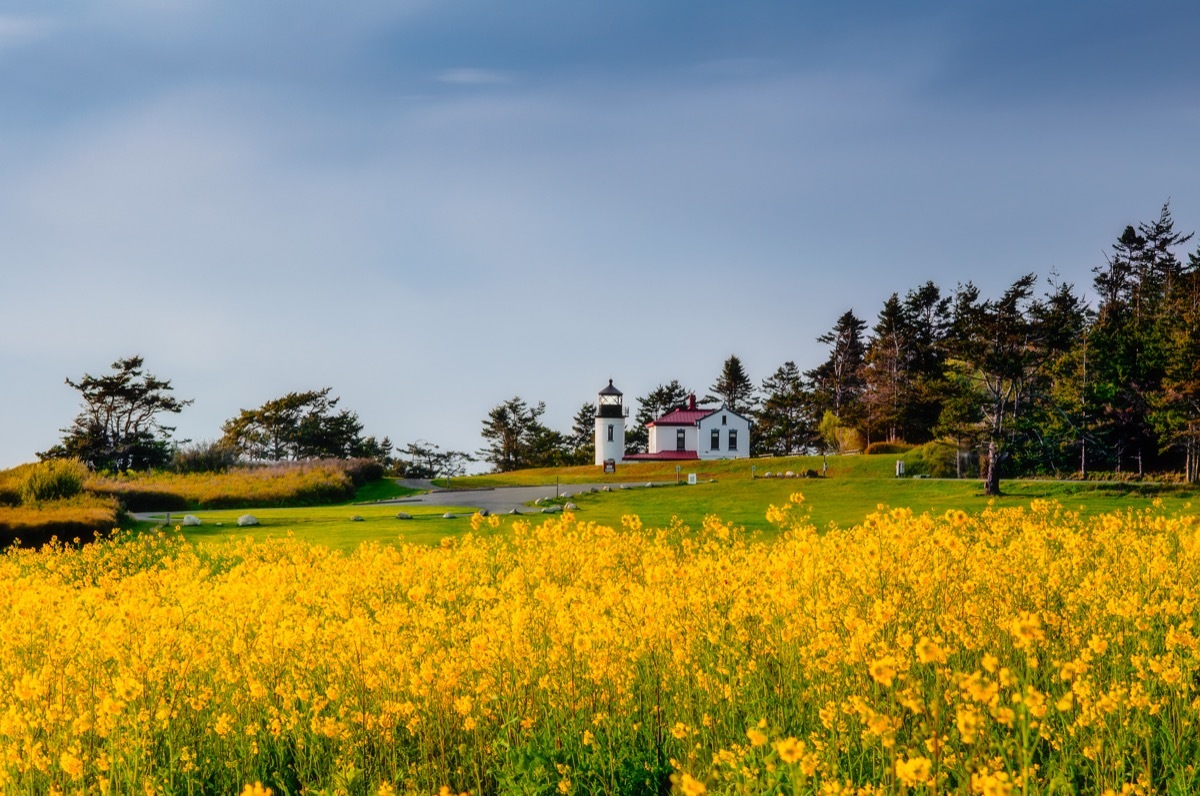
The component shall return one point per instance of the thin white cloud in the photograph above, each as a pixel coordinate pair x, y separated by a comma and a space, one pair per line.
466, 76
16, 30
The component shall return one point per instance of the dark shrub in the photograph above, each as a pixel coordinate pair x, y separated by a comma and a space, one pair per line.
893, 448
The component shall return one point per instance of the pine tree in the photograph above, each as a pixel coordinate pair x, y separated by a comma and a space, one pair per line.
785, 426
837, 383
651, 406
582, 440
733, 388
1130, 337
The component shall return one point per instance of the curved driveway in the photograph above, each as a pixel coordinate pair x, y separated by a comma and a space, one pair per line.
500, 500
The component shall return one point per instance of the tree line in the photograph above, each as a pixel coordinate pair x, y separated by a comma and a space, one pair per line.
1033, 381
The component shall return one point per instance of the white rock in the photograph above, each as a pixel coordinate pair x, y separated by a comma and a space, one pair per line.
789, 474
551, 509
191, 519
403, 516
570, 507
357, 518
247, 519
449, 516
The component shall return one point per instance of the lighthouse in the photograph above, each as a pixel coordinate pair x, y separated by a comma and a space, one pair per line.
610, 425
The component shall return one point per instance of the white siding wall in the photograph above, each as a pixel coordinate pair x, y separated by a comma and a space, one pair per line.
732, 421
662, 438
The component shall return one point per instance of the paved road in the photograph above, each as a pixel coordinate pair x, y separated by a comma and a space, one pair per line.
500, 500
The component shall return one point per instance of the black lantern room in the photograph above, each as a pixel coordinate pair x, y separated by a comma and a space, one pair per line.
610, 403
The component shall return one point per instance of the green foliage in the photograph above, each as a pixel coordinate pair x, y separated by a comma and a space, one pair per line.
54, 479
517, 439
119, 426
784, 424
427, 460
299, 426
838, 437
651, 406
582, 440
733, 388
204, 457
938, 459
879, 448
838, 382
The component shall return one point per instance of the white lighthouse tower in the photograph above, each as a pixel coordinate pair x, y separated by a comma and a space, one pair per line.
610, 425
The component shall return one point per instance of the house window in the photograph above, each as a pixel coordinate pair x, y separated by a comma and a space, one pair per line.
610, 432
724, 420
680, 438
715, 443
733, 439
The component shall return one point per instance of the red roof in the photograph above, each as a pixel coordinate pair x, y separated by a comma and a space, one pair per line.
681, 417
662, 456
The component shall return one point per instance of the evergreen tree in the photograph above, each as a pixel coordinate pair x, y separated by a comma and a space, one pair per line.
733, 388
120, 425
927, 315
300, 425
1175, 410
1130, 339
885, 374
515, 436
1004, 346
582, 441
837, 384
785, 426
651, 406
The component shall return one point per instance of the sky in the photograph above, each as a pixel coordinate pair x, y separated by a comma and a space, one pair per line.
431, 207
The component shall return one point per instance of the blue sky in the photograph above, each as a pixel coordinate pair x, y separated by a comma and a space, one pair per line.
431, 207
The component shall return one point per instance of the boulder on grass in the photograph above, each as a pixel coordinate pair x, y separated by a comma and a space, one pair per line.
247, 519
357, 518
191, 519
403, 516
449, 515
570, 507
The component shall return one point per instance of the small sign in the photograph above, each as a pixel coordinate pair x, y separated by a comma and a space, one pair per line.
610, 465
691, 479
899, 468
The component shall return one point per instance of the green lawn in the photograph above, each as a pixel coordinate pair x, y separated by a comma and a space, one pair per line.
327, 525
854, 488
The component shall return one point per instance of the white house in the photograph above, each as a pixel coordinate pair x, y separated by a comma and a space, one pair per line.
694, 433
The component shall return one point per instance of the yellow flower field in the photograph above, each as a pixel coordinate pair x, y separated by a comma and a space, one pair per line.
1019, 651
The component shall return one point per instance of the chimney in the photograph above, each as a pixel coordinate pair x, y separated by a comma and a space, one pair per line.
692, 402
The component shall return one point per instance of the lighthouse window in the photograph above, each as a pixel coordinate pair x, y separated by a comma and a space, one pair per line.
715, 443
610, 432
733, 439
680, 439
724, 420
